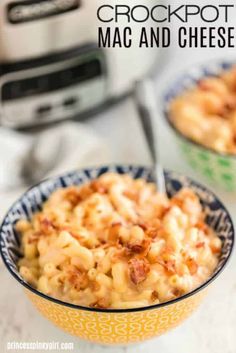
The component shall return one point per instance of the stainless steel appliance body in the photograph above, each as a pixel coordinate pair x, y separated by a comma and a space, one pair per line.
50, 66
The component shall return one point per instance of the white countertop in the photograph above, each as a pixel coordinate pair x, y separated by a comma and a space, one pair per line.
212, 328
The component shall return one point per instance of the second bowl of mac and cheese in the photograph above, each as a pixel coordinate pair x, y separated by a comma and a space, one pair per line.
106, 257
200, 107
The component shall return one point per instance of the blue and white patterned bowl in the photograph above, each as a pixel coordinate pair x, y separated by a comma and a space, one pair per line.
218, 168
150, 321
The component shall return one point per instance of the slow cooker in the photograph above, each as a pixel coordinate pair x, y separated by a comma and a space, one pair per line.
50, 65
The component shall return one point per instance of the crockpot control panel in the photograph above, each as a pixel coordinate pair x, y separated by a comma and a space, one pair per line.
52, 88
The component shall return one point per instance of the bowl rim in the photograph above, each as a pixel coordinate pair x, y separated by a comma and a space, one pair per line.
112, 310
189, 71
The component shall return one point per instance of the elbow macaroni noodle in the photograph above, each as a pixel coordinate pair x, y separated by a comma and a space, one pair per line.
117, 243
207, 113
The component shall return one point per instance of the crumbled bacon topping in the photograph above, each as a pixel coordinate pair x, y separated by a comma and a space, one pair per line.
169, 266
73, 195
78, 279
201, 244
142, 225
101, 246
101, 304
138, 270
202, 226
152, 232
192, 266
97, 186
139, 248
46, 226
154, 296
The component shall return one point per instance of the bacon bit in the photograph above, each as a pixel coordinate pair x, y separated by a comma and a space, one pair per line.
192, 266
141, 249
97, 186
142, 225
215, 250
135, 248
175, 201
46, 226
202, 226
32, 240
200, 245
230, 104
94, 286
73, 195
146, 246
162, 233
78, 279
169, 266
84, 192
101, 304
167, 250
154, 296
165, 211
138, 270
104, 245
76, 235
177, 292
152, 232
228, 107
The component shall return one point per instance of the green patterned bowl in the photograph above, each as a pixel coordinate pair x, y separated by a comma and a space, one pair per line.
218, 168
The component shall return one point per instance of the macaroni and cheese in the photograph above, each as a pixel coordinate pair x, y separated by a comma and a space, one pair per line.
207, 112
116, 242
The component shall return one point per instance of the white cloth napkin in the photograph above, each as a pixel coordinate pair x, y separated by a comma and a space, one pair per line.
59, 149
